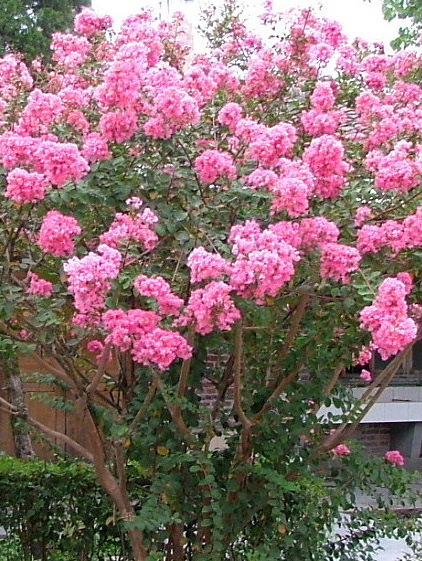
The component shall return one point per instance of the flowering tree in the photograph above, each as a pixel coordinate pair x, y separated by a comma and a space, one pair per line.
160, 208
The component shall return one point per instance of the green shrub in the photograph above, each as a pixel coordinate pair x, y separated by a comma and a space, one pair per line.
55, 511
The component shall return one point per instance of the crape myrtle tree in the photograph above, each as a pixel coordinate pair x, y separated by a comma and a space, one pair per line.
160, 207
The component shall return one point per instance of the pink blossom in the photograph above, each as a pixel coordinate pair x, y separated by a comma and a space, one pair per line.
396, 170
122, 83
159, 289
323, 97
138, 331
261, 79
89, 278
230, 114
17, 150
205, 265
41, 110
392, 234
363, 213
14, 76
271, 144
325, 158
126, 227
78, 120
394, 457
68, 50
174, 110
365, 375
387, 319
291, 195
95, 148
364, 356
341, 450
39, 286
318, 123
60, 162
265, 262
338, 261
57, 232
95, 346
25, 187
212, 164
211, 308
88, 23
119, 126
317, 231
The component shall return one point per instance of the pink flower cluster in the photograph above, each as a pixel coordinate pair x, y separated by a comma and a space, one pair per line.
124, 78
391, 234
213, 164
365, 375
320, 119
174, 109
325, 158
57, 232
387, 319
210, 308
338, 261
268, 145
39, 286
119, 126
204, 265
126, 227
159, 289
264, 264
317, 231
41, 110
396, 170
394, 457
89, 279
70, 51
60, 162
229, 115
88, 23
25, 187
95, 148
341, 450
292, 188
14, 77
138, 331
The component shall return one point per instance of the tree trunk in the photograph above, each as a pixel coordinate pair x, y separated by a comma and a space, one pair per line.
16, 396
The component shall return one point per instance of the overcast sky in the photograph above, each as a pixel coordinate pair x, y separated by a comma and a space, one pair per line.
359, 18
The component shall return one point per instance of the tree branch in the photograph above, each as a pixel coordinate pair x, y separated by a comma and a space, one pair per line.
379, 384
237, 383
81, 450
290, 337
143, 409
92, 386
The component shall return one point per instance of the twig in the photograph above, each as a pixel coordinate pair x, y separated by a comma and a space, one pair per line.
101, 369
143, 409
345, 430
291, 334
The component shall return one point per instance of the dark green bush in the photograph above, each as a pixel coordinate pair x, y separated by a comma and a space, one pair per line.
55, 512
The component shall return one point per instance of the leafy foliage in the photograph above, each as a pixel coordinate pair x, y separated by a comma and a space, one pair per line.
27, 26
239, 221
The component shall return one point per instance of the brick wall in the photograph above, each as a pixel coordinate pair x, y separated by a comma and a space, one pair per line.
375, 437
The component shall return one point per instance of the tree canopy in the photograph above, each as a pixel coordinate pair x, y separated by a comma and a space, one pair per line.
245, 220
409, 10
26, 26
